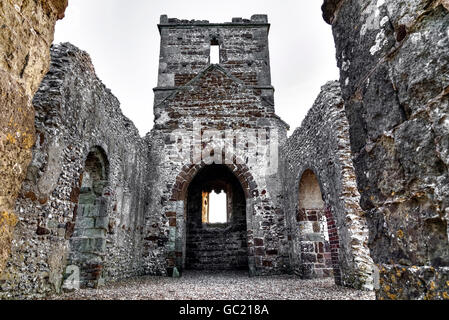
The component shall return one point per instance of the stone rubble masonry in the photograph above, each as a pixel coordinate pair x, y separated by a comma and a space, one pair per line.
26, 33
321, 144
185, 51
394, 66
75, 112
234, 95
132, 220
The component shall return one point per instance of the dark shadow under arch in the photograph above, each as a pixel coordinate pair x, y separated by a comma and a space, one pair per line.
177, 254
219, 246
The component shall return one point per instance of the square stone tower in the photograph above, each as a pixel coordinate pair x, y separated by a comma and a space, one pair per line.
215, 132
242, 47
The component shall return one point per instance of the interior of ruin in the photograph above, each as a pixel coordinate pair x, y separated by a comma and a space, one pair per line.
357, 193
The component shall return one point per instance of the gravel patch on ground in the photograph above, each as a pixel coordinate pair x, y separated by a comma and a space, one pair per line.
194, 285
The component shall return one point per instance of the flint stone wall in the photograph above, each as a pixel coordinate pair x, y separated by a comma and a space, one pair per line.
75, 112
133, 220
218, 95
321, 144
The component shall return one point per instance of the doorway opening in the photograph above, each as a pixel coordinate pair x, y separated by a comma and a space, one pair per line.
216, 229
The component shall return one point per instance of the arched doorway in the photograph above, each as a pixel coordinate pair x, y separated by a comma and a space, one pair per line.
318, 233
216, 242
88, 241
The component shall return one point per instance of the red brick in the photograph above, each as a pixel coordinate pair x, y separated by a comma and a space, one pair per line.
267, 263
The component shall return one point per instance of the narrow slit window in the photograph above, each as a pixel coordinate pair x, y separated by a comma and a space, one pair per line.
217, 208
214, 54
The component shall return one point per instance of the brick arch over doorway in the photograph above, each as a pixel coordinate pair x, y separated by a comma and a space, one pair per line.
177, 235
188, 172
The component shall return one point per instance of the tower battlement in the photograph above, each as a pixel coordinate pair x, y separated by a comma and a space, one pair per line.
255, 19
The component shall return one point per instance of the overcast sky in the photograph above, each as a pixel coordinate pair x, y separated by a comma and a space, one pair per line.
123, 41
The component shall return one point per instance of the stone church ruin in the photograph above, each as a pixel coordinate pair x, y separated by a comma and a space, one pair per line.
357, 193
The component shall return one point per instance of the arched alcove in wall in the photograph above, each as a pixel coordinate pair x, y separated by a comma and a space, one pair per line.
88, 241
309, 191
318, 233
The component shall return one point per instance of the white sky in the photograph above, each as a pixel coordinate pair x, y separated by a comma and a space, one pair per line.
217, 207
123, 41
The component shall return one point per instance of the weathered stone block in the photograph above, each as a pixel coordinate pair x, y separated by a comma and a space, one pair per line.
101, 222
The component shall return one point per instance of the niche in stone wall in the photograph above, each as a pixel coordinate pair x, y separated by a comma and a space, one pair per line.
309, 191
316, 257
88, 241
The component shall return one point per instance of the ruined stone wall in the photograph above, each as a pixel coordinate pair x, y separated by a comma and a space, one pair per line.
321, 145
26, 33
214, 98
172, 175
75, 114
393, 59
